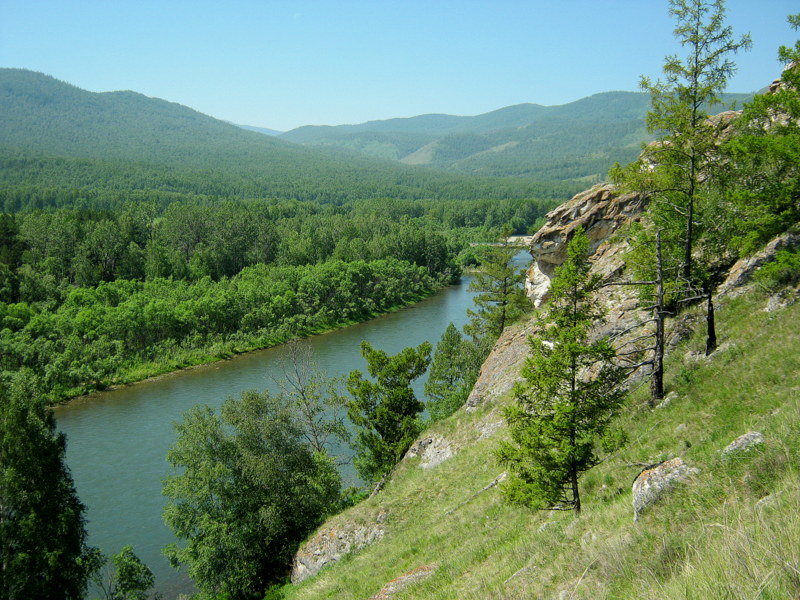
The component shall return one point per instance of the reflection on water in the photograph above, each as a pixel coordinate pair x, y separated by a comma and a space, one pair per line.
118, 440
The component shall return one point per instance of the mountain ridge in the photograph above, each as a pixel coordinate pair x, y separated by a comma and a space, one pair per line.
45, 119
579, 140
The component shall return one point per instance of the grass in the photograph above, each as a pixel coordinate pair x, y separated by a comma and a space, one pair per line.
733, 531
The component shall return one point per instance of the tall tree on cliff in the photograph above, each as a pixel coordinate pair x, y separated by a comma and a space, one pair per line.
568, 395
43, 551
675, 170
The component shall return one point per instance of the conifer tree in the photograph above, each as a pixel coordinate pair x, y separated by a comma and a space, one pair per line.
569, 393
762, 190
43, 551
385, 411
676, 171
686, 156
501, 298
449, 378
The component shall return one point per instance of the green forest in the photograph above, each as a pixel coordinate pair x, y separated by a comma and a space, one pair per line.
89, 298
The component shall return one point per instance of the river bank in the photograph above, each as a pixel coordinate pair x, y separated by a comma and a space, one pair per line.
195, 358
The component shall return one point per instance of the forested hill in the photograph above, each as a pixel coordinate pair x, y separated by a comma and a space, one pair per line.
56, 135
579, 140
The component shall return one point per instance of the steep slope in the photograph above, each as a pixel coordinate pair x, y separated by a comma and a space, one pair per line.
440, 529
55, 134
578, 140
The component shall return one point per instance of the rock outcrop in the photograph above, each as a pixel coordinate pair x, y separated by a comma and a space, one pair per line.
332, 542
600, 211
742, 271
432, 451
654, 482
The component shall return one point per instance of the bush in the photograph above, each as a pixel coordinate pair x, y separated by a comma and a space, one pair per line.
783, 271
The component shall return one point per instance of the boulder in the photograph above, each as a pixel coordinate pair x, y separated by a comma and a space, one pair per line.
744, 442
432, 451
652, 483
333, 542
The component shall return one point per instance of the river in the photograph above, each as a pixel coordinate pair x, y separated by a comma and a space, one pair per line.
117, 440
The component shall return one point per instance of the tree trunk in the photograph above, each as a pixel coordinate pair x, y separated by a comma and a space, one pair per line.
657, 382
711, 340
576, 497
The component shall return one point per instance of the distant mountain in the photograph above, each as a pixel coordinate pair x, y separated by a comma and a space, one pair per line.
579, 140
263, 130
132, 141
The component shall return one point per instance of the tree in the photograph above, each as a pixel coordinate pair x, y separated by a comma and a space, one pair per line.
762, 189
249, 491
677, 170
316, 400
385, 411
687, 154
567, 398
501, 298
129, 579
43, 551
449, 378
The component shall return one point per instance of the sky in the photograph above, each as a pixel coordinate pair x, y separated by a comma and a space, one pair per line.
283, 64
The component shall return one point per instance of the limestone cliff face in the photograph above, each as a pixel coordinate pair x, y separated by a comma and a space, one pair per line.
600, 211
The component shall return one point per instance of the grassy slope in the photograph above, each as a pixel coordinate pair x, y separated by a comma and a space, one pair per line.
706, 540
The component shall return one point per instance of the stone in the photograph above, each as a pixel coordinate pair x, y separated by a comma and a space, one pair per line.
767, 501
668, 399
398, 584
652, 483
488, 429
333, 542
432, 451
693, 356
741, 272
680, 428
744, 442
781, 300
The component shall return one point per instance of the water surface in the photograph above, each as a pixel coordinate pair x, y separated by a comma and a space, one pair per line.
118, 440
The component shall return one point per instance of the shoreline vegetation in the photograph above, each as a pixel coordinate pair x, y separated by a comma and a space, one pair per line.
207, 360
126, 331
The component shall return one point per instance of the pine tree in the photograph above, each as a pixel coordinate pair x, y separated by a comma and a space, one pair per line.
567, 398
501, 298
385, 411
449, 378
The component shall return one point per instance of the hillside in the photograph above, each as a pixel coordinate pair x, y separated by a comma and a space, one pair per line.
578, 140
53, 134
440, 529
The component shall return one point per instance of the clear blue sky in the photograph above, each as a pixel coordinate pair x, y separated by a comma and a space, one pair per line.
282, 64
